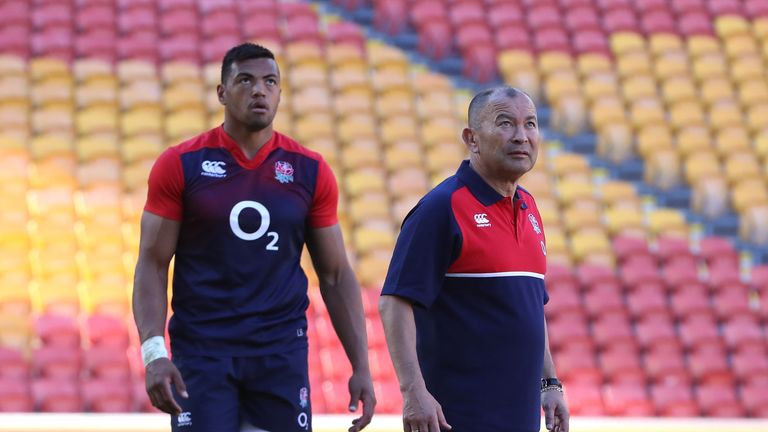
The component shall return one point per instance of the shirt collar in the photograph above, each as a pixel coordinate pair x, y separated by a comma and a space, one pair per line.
238, 154
479, 188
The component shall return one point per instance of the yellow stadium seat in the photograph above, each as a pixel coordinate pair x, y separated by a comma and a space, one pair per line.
97, 119
395, 103
356, 127
364, 180
572, 192
641, 86
714, 90
341, 55
327, 147
709, 197
634, 64
678, 89
57, 294
359, 153
408, 182
402, 205
302, 52
693, 139
753, 92
102, 170
667, 222
11, 65
136, 70
518, 68
311, 100
440, 131
757, 118
607, 110
614, 142
306, 75
672, 64
624, 220
652, 138
753, 225
373, 234
760, 28
686, 113
749, 67
761, 144
554, 61
58, 170
646, 111
702, 45
742, 165
136, 174
372, 268
92, 146
314, 126
444, 159
613, 192
747, 193
387, 80
712, 65
600, 84
731, 25
53, 119
427, 83
43, 146
139, 94
351, 79
560, 83
569, 114
97, 93
403, 154
436, 105
14, 297
183, 96
740, 45
662, 169
733, 139
352, 103
591, 245
58, 92
382, 56
625, 42
14, 89
211, 75
144, 120
42, 68
557, 247
701, 165
538, 183
576, 218
141, 147
174, 72
568, 163
725, 114
106, 295
15, 332
661, 43
396, 128
588, 64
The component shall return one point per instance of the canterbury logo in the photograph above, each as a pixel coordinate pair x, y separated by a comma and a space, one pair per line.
214, 169
482, 220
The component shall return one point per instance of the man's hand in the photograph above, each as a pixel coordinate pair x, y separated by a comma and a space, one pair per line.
361, 389
422, 413
160, 374
555, 411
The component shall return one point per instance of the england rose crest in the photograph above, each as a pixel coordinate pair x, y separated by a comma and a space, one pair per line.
283, 172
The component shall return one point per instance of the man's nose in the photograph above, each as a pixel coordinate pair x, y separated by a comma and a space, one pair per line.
258, 89
519, 135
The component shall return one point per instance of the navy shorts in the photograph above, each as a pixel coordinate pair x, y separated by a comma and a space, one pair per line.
270, 392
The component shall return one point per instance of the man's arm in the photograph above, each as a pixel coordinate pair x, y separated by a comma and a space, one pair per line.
420, 409
341, 294
150, 304
556, 414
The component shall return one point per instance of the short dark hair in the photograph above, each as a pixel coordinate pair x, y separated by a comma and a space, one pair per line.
481, 100
245, 51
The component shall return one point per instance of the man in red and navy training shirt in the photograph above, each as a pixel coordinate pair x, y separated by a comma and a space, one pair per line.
463, 300
235, 206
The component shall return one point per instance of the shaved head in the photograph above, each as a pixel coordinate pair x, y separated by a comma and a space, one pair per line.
481, 100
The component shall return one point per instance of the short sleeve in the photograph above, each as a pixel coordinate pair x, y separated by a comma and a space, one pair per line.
166, 184
428, 243
326, 198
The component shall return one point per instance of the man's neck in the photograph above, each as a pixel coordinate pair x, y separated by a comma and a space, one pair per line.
504, 187
249, 141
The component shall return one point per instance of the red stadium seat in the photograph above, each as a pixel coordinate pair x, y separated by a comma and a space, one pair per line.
563, 298
666, 366
627, 400
754, 399
506, 15
544, 16
388, 397
584, 400
471, 36
513, 37
759, 277
578, 366
674, 400
582, 18
651, 5
58, 330
620, 20
557, 273
335, 363
691, 299
106, 396
684, 6
611, 329
99, 16
466, 13
54, 42
180, 21
552, 39
381, 364
390, 16
107, 362
750, 365
681, 271
13, 365
57, 362
435, 39
137, 19
638, 271
15, 395
714, 247
607, 5
107, 330
717, 400
671, 247
16, 40
98, 43
625, 246
731, 302
141, 45
567, 328
480, 63
51, 15
16, 12
336, 395
655, 332
725, 7
425, 12
220, 21
215, 48
57, 395
756, 8
590, 41
181, 47
658, 21
699, 329
742, 331
695, 23
622, 366
709, 365
591, 275
346, 33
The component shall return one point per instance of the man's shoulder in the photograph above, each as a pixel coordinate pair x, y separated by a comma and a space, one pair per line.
438, 199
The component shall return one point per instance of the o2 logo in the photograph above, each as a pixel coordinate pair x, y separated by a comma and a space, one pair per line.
234, 223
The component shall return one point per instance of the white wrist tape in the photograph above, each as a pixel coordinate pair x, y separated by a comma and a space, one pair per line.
153, 349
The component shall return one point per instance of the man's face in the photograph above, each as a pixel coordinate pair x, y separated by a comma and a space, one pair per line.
505, 138
251, 92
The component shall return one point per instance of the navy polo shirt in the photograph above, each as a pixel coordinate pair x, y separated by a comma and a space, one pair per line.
472, 262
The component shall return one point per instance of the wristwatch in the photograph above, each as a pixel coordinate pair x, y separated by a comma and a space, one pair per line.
547, 383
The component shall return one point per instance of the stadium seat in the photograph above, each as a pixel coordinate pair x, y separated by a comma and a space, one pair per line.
674, 400
754, 400
57, 395
106, 396
58, 331
13, 364
15, 396
666, 366
626, 399
718, 400
585, 399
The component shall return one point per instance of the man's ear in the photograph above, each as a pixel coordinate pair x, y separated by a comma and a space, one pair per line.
468, 135
220, 94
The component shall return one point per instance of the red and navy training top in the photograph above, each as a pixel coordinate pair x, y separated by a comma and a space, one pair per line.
238, 287
473, 261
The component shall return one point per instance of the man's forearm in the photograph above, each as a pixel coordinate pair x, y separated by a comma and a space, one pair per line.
150, 299
400, 330
345, 307
548, 370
